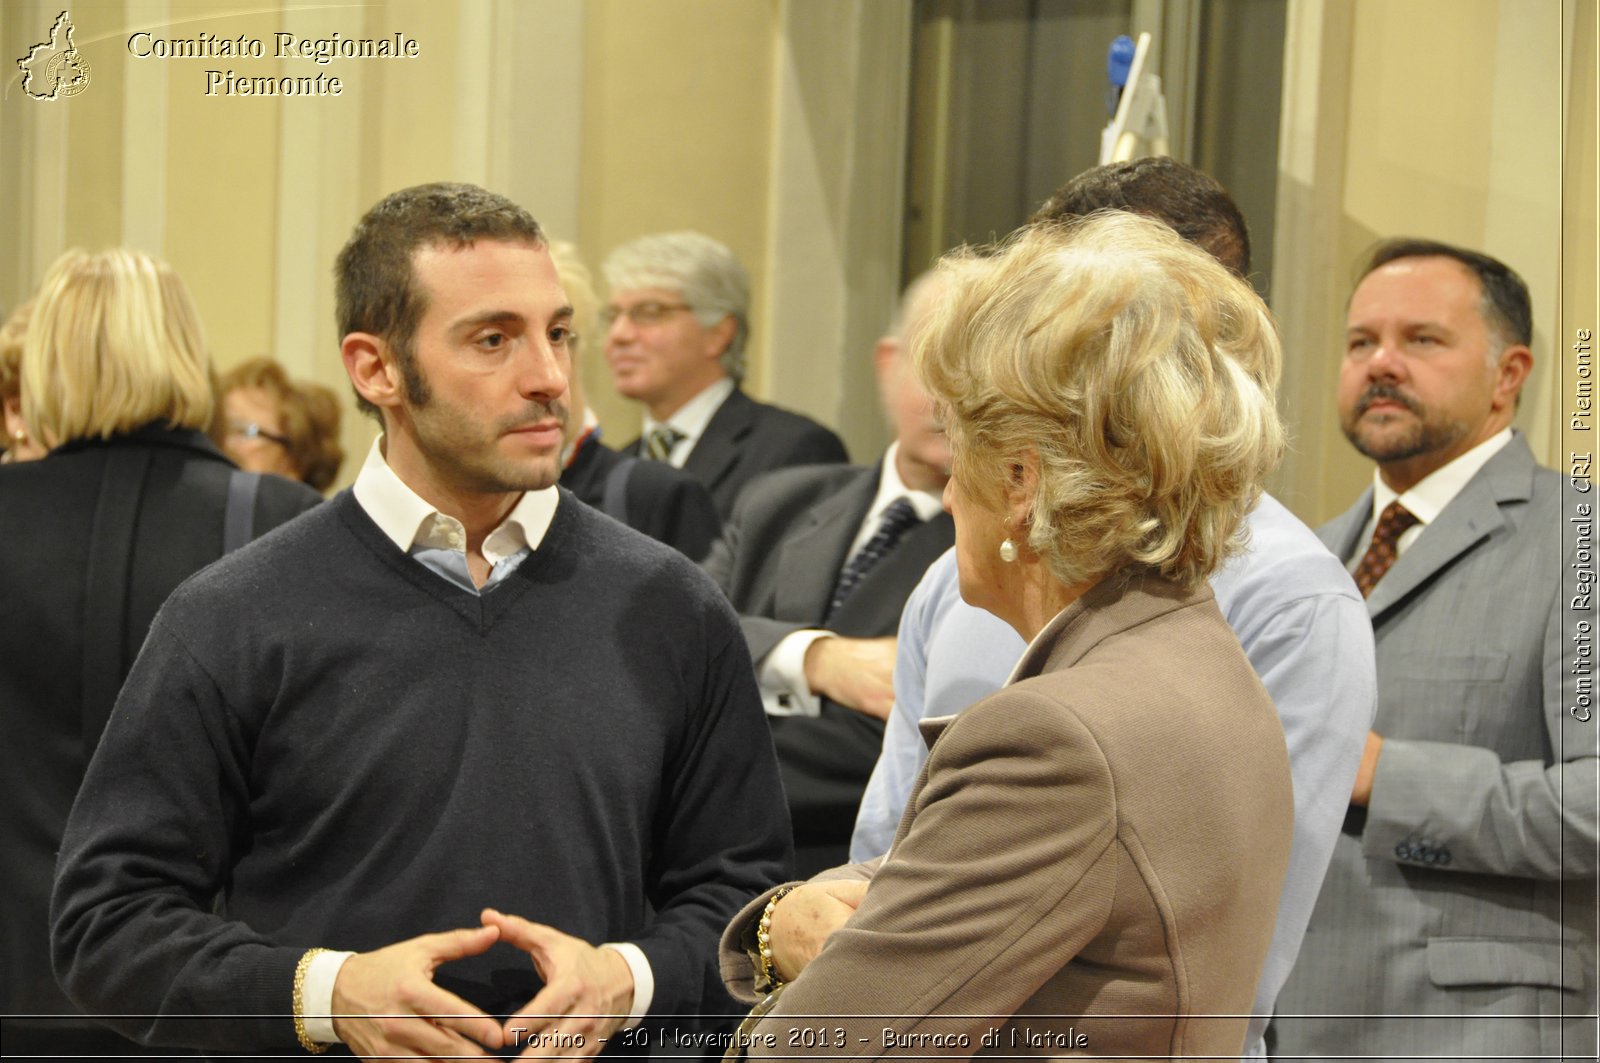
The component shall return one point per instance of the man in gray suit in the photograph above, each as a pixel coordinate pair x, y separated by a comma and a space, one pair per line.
1462, 886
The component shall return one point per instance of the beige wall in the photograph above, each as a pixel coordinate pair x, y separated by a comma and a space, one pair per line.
1435, 118
676, 135
776, 126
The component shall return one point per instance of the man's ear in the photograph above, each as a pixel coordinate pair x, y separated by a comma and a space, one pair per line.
886, 365
370, 364
1513, 367
719, 337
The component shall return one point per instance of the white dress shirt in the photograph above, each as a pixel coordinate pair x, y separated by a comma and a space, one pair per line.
438, 542
690, 420
782, 672
1428, 497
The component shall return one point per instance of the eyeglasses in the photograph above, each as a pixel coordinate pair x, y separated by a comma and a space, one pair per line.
646, 313
251, 430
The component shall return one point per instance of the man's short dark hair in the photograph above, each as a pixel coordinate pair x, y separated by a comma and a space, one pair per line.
1193, 203
376, 288
1506, 308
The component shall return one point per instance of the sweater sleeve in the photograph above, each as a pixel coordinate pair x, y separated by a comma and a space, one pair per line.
146, 852
722, 831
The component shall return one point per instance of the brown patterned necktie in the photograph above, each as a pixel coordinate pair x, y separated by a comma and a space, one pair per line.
1392, 523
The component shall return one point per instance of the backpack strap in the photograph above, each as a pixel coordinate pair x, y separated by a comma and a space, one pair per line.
239, 518
614, 503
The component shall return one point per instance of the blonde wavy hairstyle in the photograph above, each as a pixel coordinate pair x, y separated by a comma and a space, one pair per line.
1135, 372
114, 344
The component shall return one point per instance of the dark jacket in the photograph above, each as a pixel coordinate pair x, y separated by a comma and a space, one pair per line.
746, 438
656, 499
778, 561
93, 538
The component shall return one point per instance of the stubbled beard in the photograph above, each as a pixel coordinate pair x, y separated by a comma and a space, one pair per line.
1423, 436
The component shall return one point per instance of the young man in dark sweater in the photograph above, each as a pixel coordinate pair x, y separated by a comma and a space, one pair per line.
449, 694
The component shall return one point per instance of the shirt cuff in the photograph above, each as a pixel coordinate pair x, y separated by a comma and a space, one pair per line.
784, 690
644, 981
316, 996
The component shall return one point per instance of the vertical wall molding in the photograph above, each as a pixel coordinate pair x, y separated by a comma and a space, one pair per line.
836, 203
145, 110
1307, 273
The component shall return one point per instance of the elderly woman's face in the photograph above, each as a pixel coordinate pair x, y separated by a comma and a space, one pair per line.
979, 532
254, 433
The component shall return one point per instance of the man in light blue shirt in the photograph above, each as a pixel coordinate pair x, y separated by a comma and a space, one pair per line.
1293, 606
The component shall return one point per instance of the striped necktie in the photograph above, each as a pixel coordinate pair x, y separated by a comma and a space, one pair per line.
899, 518
659, 443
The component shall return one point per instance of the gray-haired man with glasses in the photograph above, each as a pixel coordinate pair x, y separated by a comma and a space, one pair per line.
676, 328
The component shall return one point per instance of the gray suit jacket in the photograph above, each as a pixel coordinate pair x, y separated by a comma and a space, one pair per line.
1468, 889
1094, 852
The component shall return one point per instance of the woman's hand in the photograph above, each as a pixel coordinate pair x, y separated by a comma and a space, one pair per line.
804, 920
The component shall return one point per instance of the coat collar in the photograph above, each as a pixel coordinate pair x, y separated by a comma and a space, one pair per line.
1118, 603
717, 450
154, 434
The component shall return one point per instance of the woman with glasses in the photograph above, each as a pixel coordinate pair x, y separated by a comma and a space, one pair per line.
271, 423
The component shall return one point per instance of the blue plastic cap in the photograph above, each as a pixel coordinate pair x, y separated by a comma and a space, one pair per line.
1120, 60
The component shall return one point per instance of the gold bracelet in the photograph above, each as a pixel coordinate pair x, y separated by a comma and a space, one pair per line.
767, 978
316, 1048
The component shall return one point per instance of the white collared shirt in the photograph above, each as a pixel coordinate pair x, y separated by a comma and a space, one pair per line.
1428, 497
782, 672
690, 420
439, 542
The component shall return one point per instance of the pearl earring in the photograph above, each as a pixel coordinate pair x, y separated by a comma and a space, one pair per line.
1008, 551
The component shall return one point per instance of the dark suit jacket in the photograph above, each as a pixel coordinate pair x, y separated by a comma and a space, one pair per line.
746, 438
662, 502
778, 561
1093, 852
1470, 883
80, 589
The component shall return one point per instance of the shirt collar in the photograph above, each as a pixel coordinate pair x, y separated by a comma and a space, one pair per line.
410, 522
890, 487
1428, 497
692, 417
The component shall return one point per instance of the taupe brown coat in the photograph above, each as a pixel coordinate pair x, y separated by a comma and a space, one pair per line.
1090, 862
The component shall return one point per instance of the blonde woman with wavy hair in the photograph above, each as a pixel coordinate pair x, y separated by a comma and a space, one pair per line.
1129, 377
131, 499
1091, 860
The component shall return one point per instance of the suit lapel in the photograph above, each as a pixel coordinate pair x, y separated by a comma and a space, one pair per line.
811, 556
716, 452
877, 601
1472, 516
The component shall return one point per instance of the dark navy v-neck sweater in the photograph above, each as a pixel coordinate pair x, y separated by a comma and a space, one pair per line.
354, 751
